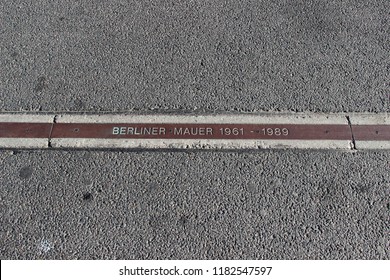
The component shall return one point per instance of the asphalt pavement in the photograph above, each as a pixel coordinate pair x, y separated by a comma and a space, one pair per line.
267, 204
330, 56
194, 56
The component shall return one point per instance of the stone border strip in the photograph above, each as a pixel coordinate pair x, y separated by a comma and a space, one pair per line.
229, 131
25, 130
371, 131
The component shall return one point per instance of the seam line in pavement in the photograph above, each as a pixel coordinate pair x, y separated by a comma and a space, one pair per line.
51, 132
353, 142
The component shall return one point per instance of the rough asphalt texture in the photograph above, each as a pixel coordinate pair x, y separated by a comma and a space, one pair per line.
330, 56
256, 55
225, 205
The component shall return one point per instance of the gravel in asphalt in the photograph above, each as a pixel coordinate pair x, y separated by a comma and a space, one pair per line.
317, 55
266, 204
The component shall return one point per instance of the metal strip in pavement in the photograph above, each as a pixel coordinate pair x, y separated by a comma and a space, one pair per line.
201, 131
233, 131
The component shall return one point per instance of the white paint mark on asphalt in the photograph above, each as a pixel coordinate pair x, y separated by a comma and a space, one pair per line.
45, 246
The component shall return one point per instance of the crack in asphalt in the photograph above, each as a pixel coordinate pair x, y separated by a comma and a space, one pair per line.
353, 142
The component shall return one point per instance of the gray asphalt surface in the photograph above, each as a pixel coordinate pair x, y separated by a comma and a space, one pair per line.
210, 55
330, 56
164, 205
